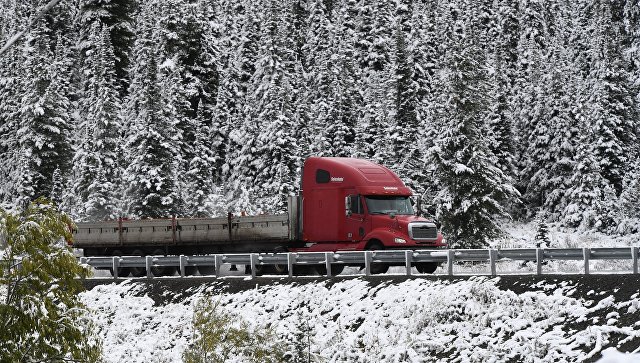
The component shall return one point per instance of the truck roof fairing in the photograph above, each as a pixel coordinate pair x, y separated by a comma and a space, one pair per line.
365, 176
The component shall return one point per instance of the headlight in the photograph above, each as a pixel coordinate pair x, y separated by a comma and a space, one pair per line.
399, 240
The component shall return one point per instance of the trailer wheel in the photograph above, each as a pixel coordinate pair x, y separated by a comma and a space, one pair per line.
207, 270
279, 268
138, 271
426, 267
377, 268
162, 270
122, 271
336, 269
190, 270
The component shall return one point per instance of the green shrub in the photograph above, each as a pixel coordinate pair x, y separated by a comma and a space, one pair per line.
219, 336
41, 316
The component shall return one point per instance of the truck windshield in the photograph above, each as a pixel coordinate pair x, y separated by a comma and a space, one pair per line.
388, 204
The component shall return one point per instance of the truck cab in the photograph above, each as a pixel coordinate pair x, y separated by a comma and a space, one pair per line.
355, 204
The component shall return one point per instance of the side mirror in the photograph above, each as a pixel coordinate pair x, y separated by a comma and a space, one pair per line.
347, 205
419, 212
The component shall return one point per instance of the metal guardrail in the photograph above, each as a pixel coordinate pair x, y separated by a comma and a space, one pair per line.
367, 258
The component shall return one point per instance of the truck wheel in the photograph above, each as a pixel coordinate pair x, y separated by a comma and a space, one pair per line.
377, 268
122, 271
336, 269
207, 270
138, 271
260, 269
281, 269
426, 267
163, 270
190, 270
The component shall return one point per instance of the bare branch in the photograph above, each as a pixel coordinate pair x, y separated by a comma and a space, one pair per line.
17, 36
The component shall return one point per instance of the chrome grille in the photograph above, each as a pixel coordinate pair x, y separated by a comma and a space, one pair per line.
423, 231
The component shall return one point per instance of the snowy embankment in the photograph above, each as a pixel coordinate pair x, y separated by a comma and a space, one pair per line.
414, 320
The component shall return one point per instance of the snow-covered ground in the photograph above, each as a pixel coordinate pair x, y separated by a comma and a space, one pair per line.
352, 320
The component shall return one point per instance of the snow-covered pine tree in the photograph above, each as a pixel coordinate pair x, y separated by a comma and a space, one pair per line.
628, 211
44, 120
551, 145
276, 154
93, 191
528, 101
407, 154
607, 132
542, 232
321, 97
500, 117
375, 33
189, 36
341, 130
631, 44
10, 73
473, 190
239, 49
230, 95
376, 131
590, 199
423, 44
199, 184
117, 16
150, 121
612, 106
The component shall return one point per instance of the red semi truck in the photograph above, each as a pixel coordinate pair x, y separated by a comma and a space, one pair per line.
346, 204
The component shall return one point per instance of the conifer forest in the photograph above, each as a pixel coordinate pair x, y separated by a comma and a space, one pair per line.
490, 110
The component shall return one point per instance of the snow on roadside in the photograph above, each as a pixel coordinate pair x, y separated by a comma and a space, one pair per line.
414, 321
611, 355
133, 329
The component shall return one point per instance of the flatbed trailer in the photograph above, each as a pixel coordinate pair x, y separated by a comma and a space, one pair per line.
187, 236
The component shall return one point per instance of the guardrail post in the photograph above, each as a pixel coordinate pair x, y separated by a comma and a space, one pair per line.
183, 265
148, 263
451, 256
407, 261
116, 266
254, 263
328, 257
493, 256
539, 259
290, 258
586, 255
217, 263
368, 256
634, 257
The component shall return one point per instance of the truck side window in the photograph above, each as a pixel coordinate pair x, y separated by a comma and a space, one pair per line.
356, 204
322, 176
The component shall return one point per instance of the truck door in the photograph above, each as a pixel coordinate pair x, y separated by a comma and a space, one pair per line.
355, 228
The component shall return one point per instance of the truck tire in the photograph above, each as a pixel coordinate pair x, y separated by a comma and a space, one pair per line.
163, 270
377, 268
207, 270
190, 270
336, 269
122, 271
281, 269
427, 267
138, 271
